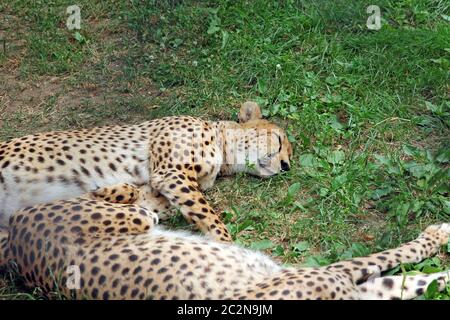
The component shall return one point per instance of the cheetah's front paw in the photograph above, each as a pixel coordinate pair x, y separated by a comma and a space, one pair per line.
123, 193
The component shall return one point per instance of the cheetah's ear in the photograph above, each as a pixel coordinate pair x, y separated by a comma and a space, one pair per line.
249, 111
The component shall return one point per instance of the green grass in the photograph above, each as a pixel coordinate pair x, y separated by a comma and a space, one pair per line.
367, 111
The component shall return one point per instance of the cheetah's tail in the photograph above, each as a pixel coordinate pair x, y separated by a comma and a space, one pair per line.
3, 247
401, 287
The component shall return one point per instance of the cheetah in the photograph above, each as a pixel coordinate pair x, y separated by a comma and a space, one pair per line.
176, 158
87, 248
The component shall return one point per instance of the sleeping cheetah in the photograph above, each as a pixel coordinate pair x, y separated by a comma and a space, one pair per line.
89, 248
174, 157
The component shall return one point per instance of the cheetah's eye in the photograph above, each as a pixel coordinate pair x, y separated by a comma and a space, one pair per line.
280, 142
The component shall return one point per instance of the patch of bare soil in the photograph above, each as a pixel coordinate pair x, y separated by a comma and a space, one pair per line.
11, 56
22, 94
30, 95
16, 92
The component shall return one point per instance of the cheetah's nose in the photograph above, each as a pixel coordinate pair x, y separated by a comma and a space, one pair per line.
284, 166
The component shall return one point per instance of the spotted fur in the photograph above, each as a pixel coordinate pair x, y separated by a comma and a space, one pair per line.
120, 254
174, 157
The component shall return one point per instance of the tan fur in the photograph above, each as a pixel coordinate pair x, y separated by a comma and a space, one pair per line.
121, 255
174, 157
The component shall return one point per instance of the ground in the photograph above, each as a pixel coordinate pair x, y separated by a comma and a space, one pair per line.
366, 110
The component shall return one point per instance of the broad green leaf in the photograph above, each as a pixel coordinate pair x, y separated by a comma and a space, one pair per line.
431, 269
429, 155
416, 169
410, 150
292, 108
339, 181
432, 207
79, 37
225, 36
357, 197
322, 151
262, 102
335, 124
382, 159
283, 96
422, 184
381, 192
177, 42
433, 108
417, 206
323, 192
437, 175
443, 156
445, 205
309, 160
332, 80
261, 245
336, 157
346, 255
274, 109
212, 29
301, 246
214, 23
430, 265
316, 261
401, 213
293, 189
262, 86
298, 205
432, 289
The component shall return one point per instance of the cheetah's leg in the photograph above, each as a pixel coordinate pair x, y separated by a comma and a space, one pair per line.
183, 192
119, 193
122, 219
401, 287
96, 218
85, 219
426, 245
126, 193
3, 247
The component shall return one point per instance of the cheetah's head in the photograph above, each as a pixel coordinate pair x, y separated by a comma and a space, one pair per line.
261, 145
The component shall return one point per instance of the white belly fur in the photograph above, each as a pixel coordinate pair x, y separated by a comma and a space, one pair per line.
16, 196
